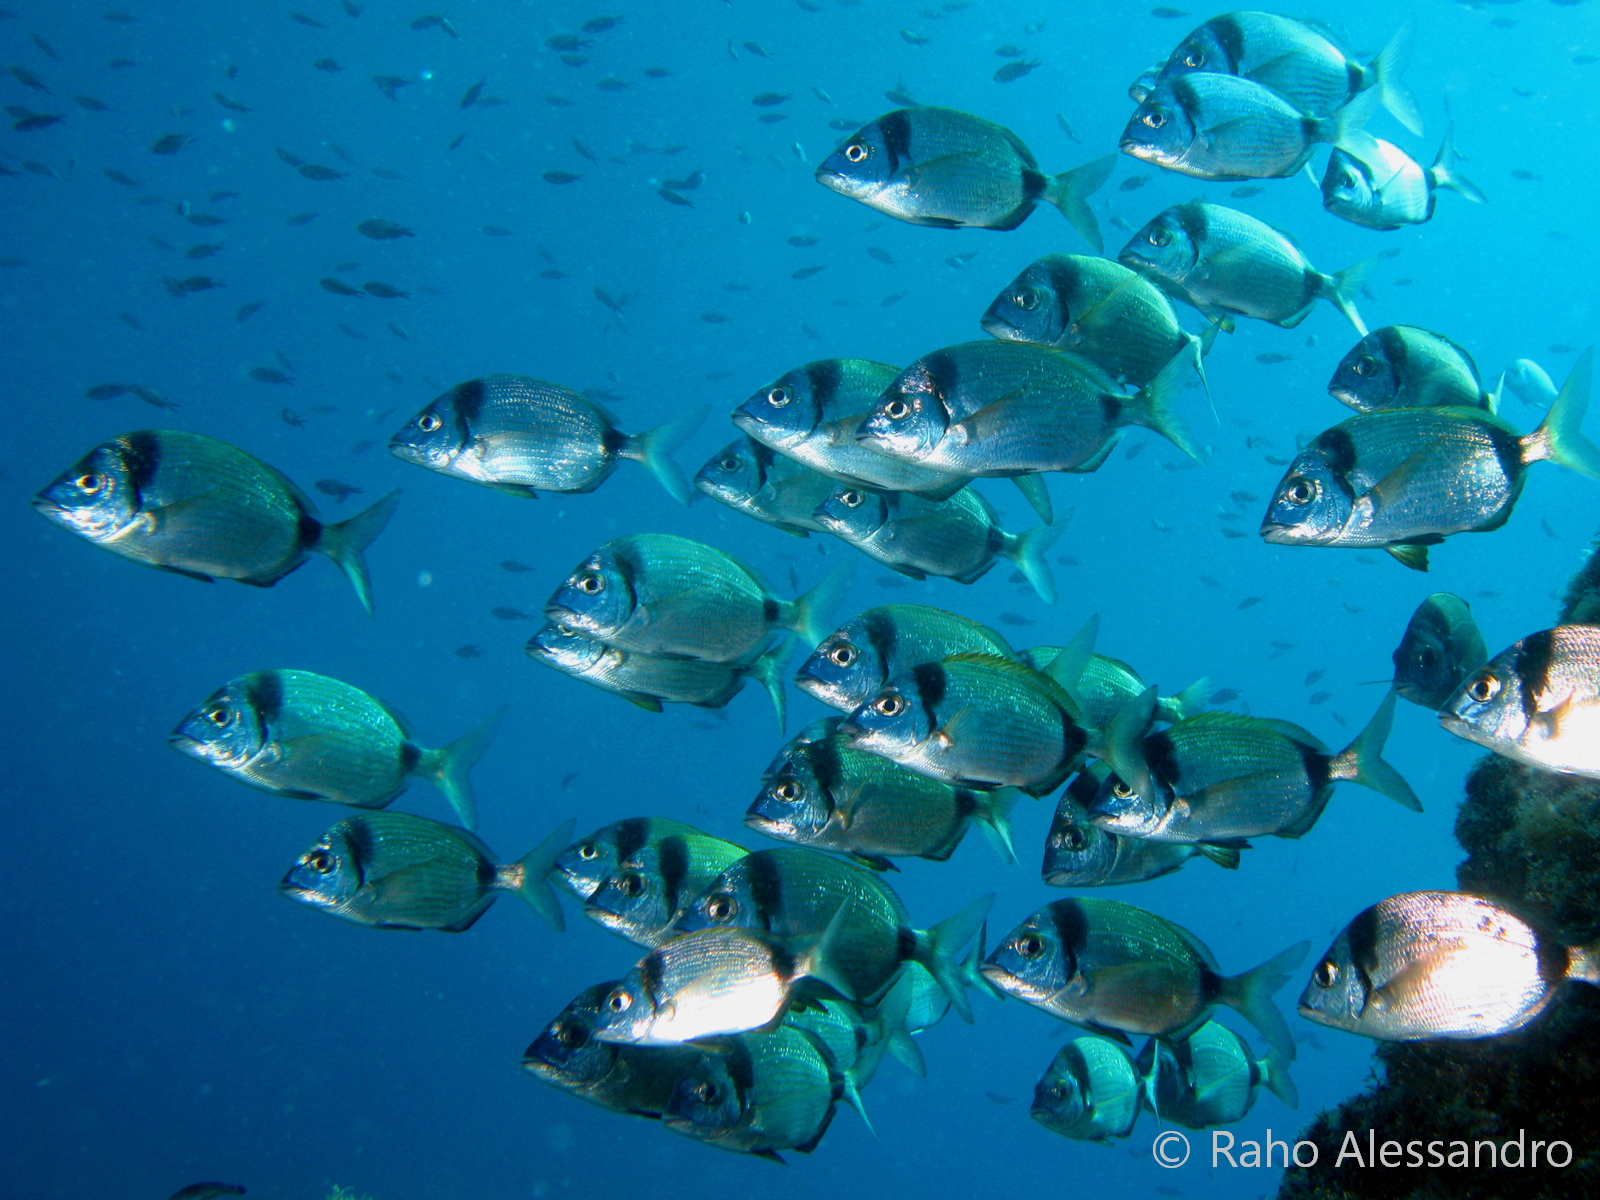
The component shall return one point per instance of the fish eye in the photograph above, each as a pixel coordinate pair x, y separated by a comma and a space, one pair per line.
1155, 119
788, 790
1122, 791
1026, 298
570, 1034
1484, 688
852, 499
619, 1001
1072, 838
1303, 491
706, 1092
588, 852
630, 885
1058, 1090
779, 396
891, 705
1346, 179
897, 409
89, 484
217, 714
856, 152
1428, 657
842, 656
591, 583
427, 422
729, 464
320, 861
1327, 971
1366, 365
1030, 946
721, 907
1195, 58
1158, 237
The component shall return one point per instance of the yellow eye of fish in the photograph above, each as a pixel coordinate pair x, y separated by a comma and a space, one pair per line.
428, 423
721, 908
89, 484
1122, 791
787, 790
1158, 237
619, 1001
320, 861
1327, 971
1195, 58
1303, 492
891, 705
898, 410
1484, 688
1155, 120
778, 397
591, 583
1030, 945
843, 656
1027, 299
1366, 366
588, 852
856, 152
630, 885
217, 716
852, 499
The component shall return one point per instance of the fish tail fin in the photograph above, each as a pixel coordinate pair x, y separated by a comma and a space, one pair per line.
346, 541
937, 947
1070, 192
1349, 120
1275, 1074
1340, 289
1559, 437
1191, 700
1362, 760
1035, 492
809, 613
1028, 551
893, 1037
1390, 64
972, 976
850, 1084
1444, 172
1250, 995
448, 766
768, 671
994, 818
536, 865
821, 959
654, 449
1118, 744
1154, 408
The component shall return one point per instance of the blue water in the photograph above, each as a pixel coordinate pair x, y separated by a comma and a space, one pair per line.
168, 1018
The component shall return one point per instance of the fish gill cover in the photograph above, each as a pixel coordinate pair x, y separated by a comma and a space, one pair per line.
548, 250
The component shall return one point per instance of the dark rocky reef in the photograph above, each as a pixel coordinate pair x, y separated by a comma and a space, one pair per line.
1533, 843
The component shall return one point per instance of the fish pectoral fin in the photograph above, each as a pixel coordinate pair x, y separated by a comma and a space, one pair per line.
1279, 73
1409, 981
993, 417
163, 514
201, 576
1221, 127
962, 724
1391, 488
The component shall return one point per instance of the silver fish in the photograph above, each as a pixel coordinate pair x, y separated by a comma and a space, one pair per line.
1091, 1091
1376, 184
1404, 366
753, 479
1440, 648
1210, 1077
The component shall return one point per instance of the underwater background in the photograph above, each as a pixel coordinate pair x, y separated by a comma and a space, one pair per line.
167, 1017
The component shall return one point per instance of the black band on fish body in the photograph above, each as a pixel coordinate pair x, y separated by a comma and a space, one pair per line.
1230, 40
896, 130
826, 380
1362, 938
905, 943
1533, 667
141, 455
673, 864
264, 694
783, 962
468, 398
358, 838
1192, 220
881, 636
410, 756
770, 610
1161, 757
487, 875
826, 769
1338, 452
931, 681
1072, 933
612, 440
631, 836
1315, 764
766, 890
650, 977
966, 802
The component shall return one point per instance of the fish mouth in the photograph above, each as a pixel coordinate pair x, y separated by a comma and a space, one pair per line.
1455, 724
1136, 147
1278, 533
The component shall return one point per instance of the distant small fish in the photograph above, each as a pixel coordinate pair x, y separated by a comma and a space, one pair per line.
1233, 533
202, 250
714, 318
1133, 451
28, 79
90, 104
435, 21
892, 581
383, 291
229, 102
1245, 191
1225, 696
1133, 183
1313, 676
390, 85
300, 219
1250, 602
1560, 348
913, 38
107, 391
1319, 698
269, 375
468, 652
1525, 175
246, 311
611, 84
1012, 71
338, 490
496, 231
306, 19
600, 24
769, 99
879, 254
1065, 128
672, 197
205, 220
290, 417
151, 397
170, 143
328, 65
1549, 529
758, 49
560, 177
194, 283
398, 332
338, 287
510, 614
1168, 14
470, 96
380, 230
118, 177
1067, 560
997, 1098
892, 299
514, 567
1272, 358
1011, 618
